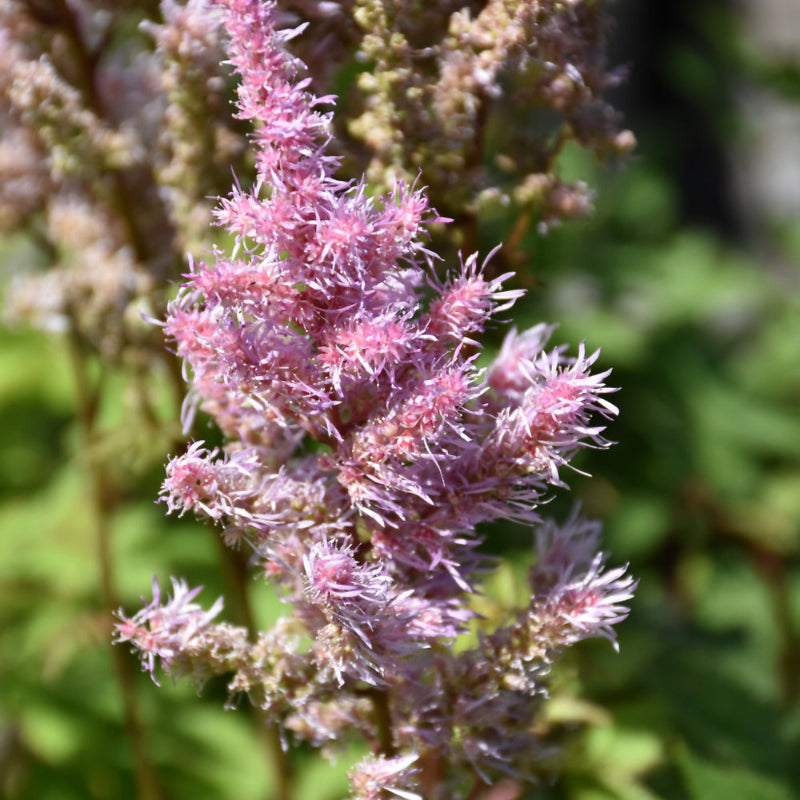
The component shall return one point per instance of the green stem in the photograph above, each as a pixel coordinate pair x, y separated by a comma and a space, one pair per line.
235, 576
432, 774
102, 504
773, 569
383, 716
383, 720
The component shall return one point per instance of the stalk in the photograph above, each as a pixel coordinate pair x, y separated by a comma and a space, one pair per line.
101, 502
235, 575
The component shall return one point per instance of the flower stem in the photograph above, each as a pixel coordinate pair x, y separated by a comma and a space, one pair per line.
383, 720
87, 396
235, 576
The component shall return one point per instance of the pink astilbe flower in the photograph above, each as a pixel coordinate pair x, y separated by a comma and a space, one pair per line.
364, 447
166, 631
467, 301
375, 777
551, 419
368, 626
575, 596
199, 481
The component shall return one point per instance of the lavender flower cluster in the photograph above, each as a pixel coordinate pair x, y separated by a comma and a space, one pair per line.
365, 445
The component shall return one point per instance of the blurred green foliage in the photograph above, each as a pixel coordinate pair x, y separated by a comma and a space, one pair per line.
701, 494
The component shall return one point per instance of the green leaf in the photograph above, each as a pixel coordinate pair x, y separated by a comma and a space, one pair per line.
707, 780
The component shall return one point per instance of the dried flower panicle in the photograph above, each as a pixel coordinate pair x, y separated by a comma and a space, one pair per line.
124, 134
452, 84
364, 446
196, 140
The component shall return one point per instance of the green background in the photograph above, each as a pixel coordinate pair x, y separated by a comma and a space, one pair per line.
699, 318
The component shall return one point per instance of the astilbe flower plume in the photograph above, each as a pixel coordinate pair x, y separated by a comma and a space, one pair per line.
364, 446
